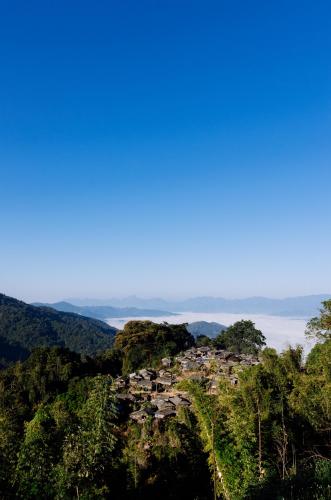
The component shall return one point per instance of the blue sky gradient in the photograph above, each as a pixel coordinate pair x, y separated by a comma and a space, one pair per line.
171, 148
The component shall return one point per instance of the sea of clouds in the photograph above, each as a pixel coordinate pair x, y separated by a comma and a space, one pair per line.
279, 331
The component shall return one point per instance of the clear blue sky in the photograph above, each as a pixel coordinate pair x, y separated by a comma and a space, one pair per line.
171, 148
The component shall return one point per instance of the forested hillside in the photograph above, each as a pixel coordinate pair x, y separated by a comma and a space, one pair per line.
68, 426
24, 327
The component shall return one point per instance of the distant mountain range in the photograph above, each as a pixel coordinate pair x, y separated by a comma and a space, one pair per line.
24, 327
210, 329
303, 306
104, 311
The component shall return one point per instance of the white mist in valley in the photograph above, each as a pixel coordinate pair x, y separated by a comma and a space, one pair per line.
279, 331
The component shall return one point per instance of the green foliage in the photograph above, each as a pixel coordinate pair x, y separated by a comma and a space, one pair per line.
10, 436
271, 432
88, 452
241, 337
24, 327
222, 459
312, 392
109, 361
47, 371
203, 341
165, 460
37, 453
144, 343
320, 327
62, 437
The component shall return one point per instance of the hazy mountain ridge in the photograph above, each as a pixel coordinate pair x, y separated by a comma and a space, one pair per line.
24, 327
103, 311
209, 328
301, 306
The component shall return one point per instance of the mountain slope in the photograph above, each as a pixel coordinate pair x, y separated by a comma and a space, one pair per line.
104, 312
210, 329
23, 327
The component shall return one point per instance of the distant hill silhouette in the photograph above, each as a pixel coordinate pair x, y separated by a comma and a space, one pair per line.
24, 327
104, 312
210, 329
303, 306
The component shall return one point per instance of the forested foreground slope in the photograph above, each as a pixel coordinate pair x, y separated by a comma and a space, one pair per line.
24, 327
66, 432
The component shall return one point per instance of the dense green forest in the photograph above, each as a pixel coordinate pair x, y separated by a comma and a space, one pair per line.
24, 327
64, 433
144, 343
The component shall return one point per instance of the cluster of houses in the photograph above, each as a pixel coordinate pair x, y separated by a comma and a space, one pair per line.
160, 407
146, 381
216, 362
153, 393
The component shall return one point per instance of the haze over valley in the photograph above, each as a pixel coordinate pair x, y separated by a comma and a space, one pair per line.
283, 321
280, 332
297, 306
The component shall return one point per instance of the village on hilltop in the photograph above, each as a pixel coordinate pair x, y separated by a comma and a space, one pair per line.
155, 393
